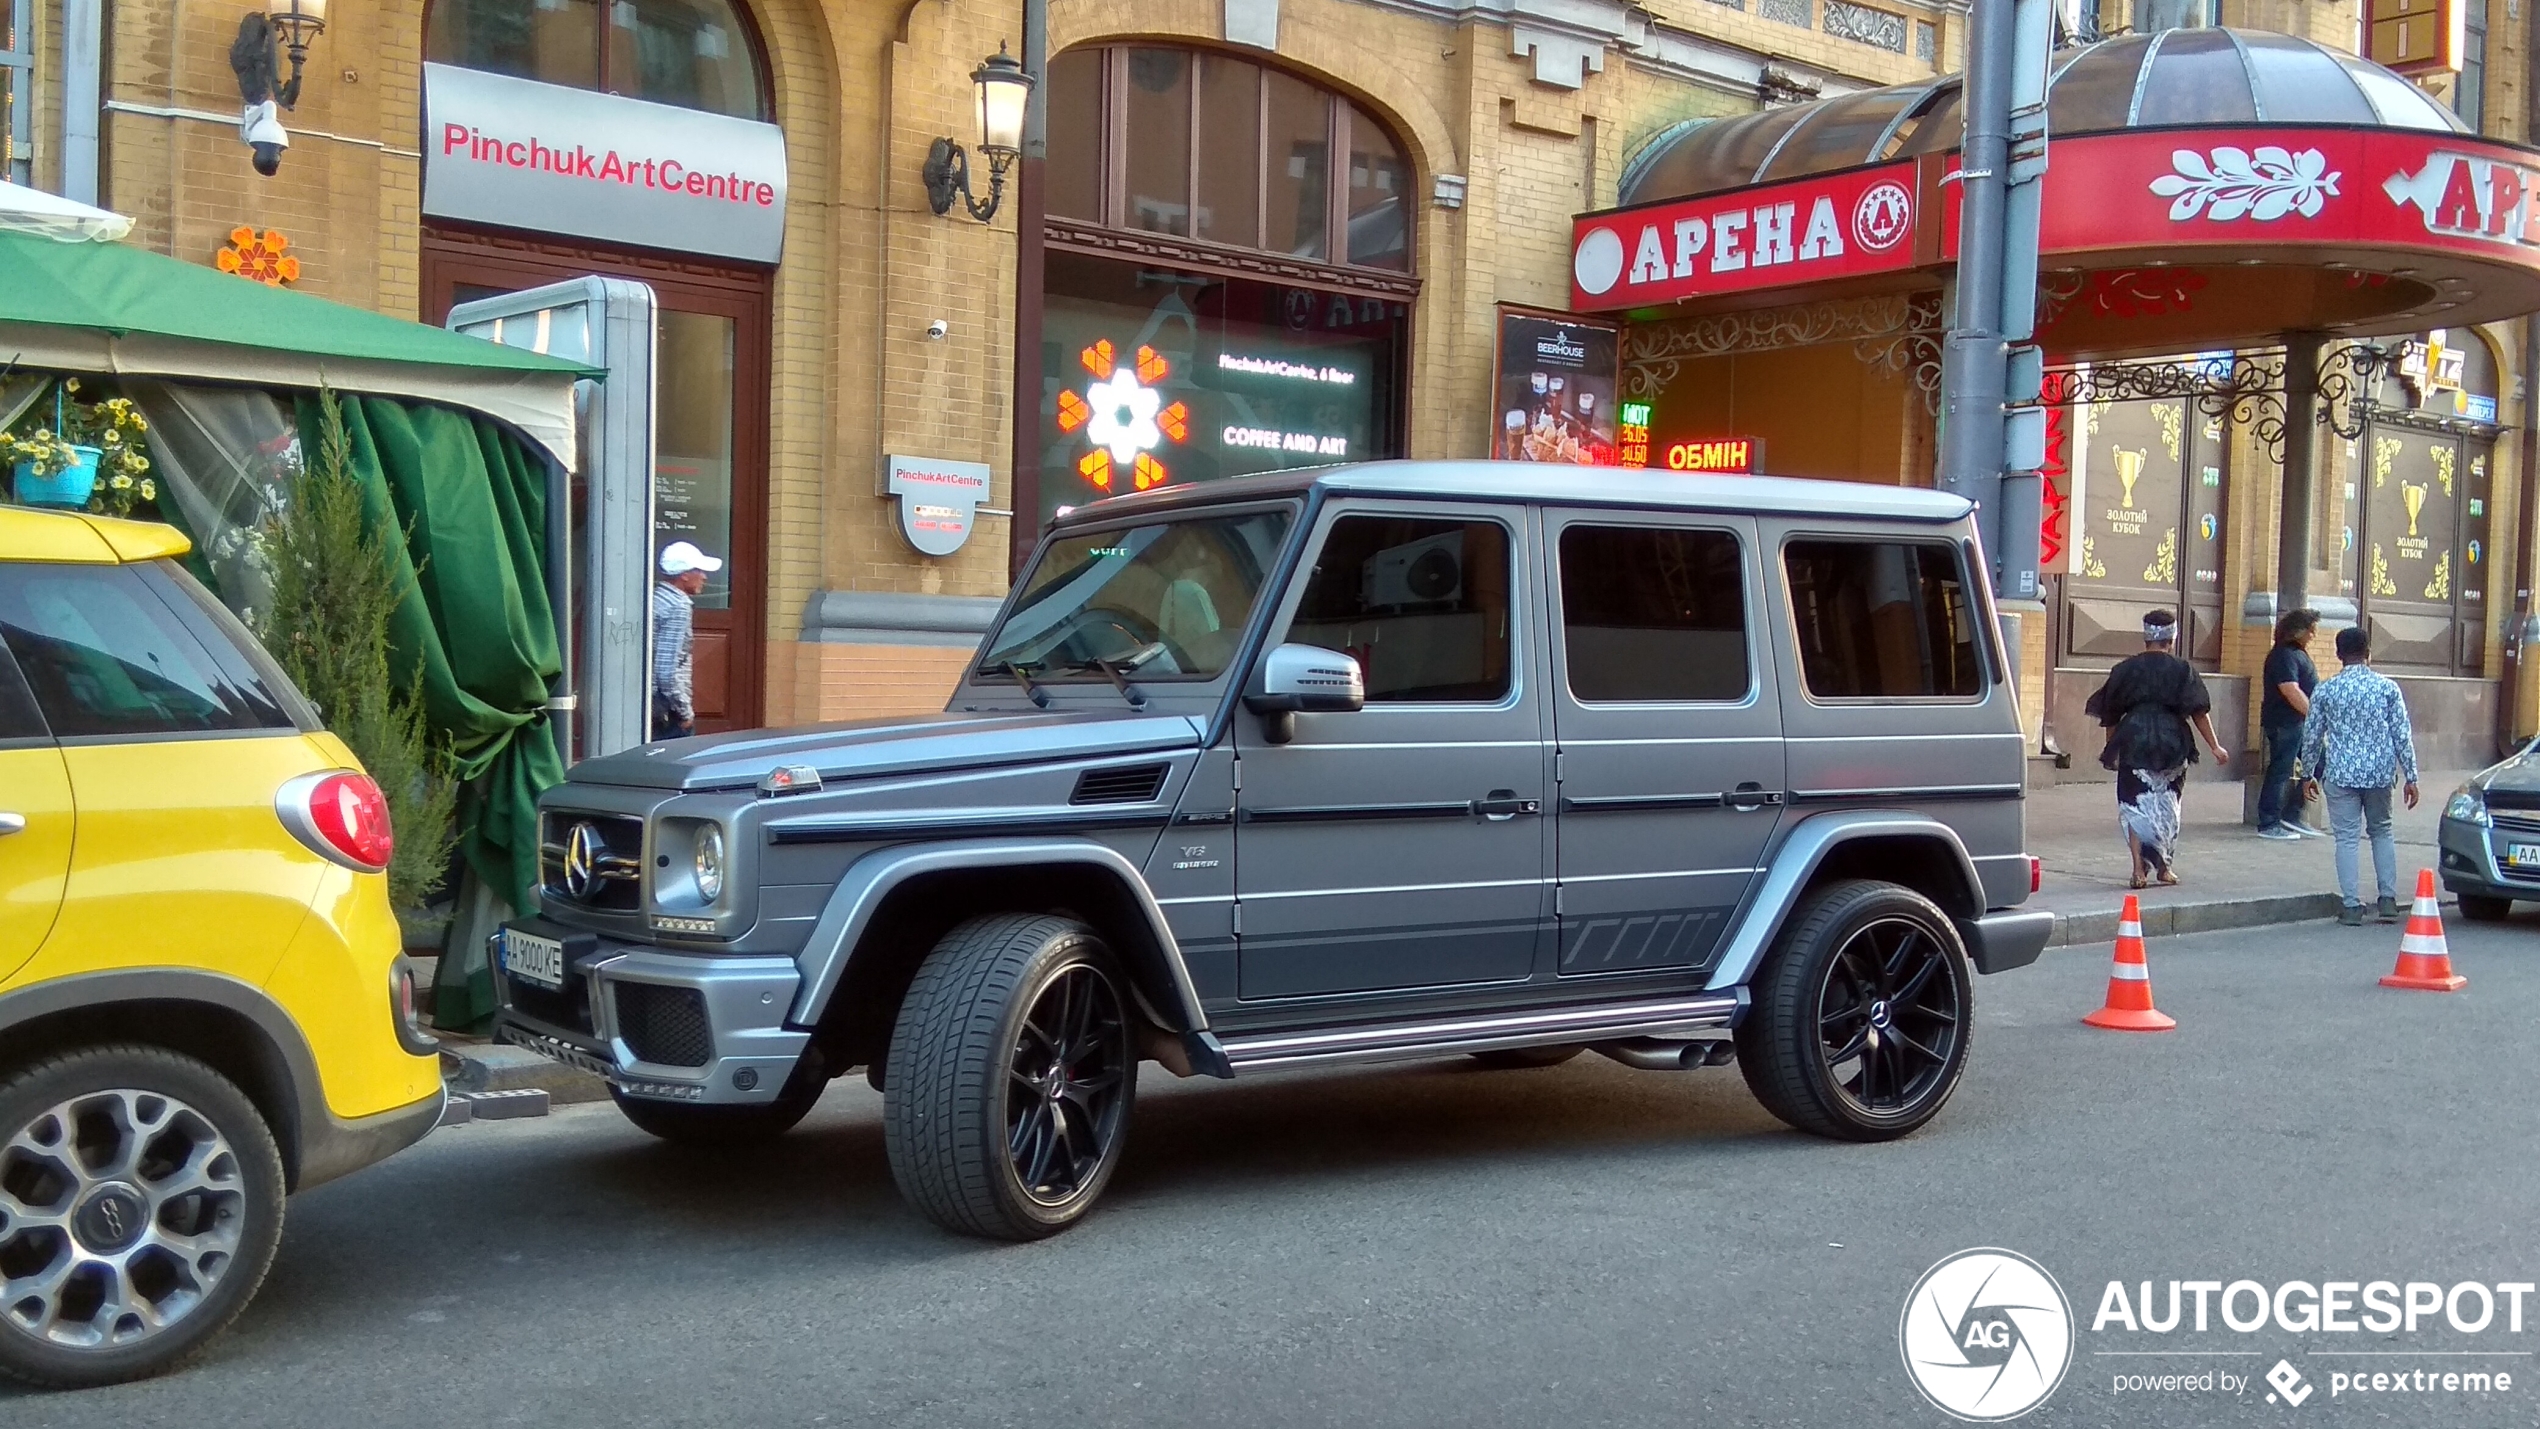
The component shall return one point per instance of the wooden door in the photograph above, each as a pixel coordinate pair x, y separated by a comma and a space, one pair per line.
711, 420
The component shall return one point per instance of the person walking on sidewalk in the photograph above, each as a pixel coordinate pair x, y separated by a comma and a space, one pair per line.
684, 569
2357, 743
2289, 679
2147, 706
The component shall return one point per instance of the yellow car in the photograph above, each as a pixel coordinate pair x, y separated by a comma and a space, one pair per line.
203, 1003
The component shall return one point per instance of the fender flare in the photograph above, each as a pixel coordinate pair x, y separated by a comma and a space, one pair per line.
1796, 858
870, 881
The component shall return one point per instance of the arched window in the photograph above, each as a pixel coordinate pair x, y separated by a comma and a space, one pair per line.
698, 54
1210, 146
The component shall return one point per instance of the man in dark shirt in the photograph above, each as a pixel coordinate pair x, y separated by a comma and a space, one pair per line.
2288, 679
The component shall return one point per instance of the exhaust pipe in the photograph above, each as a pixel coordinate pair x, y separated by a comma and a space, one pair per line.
1655, 1054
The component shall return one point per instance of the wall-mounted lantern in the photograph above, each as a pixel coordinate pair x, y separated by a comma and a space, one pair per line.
1001, 91
292, 23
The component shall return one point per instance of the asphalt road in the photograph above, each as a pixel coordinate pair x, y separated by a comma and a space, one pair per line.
1435, 1245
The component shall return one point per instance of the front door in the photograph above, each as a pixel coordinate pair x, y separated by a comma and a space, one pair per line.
1402, 846
1669, 736
711, 423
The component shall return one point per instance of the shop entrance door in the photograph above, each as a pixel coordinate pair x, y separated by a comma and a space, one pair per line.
711, 417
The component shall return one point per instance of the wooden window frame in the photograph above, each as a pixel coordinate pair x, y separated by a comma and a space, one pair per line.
743, 21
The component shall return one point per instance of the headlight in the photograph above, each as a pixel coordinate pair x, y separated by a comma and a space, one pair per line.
2469, 806
709, 863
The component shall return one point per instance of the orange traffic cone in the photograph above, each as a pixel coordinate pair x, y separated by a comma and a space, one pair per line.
2129, 1006
2425, 962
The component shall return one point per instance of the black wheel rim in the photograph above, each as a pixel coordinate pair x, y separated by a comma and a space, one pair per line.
1889, 1019
1066, 1084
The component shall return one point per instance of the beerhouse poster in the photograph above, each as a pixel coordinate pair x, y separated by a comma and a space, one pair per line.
1554, 379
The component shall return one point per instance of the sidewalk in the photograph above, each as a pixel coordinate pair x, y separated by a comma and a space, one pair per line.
2229, 877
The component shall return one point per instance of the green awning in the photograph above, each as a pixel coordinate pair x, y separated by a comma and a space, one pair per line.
113, 308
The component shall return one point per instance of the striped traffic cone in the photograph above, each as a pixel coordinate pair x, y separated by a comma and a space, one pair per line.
2129, 1006
2425, 962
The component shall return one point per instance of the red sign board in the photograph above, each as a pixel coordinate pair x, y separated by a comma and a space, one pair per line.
1841, 225
1732, 456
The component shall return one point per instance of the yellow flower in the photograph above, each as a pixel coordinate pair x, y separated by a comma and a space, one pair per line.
119, 481
149, 490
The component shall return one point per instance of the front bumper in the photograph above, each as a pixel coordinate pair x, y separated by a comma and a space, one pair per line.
670, 1026
2472, 860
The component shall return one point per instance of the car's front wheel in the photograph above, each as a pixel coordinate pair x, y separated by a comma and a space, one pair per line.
2482, 908
1860, 1020
141, 1201
1011, 1074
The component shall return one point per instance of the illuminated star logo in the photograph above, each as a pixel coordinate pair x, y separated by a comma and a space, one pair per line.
1123, 415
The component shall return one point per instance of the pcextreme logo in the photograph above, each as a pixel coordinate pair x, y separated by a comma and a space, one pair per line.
1986, 1335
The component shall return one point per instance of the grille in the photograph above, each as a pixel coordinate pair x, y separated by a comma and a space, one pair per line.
2517, 823
2514, 799
617, 870
1129, 784
570, 1008
666, 1025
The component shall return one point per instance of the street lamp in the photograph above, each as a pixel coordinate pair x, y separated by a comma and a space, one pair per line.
260, 85
1001, 88
295, 23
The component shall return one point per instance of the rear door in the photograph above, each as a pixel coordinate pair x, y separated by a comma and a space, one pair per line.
35, 823
1669, 735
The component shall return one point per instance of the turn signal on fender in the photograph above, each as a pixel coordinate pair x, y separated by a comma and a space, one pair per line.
2129, 1007
2425, 960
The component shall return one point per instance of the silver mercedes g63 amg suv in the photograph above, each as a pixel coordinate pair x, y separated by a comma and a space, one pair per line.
1363, 763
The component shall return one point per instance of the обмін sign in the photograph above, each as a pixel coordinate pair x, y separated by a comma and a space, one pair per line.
520, 154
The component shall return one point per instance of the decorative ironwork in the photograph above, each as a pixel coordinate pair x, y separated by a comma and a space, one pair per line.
2350, 380
2246, 389
1080, 237
1788, 12
1926, 41
1898, 332
1867, 24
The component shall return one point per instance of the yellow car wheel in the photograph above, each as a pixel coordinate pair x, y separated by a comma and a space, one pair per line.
140, 1205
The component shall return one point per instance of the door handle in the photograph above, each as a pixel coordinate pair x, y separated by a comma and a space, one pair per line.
1746, 798
1501, 805
12, 823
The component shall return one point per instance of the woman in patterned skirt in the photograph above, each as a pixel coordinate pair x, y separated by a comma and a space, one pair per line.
2148, 705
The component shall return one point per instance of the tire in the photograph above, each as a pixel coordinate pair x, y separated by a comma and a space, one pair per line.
2485, 908
1518, 1059
163, 1163
729, 1126
1860, 1021
1012, 1072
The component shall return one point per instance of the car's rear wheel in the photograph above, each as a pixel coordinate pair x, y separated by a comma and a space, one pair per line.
141, 1200
1011, 1075
2481, 908
729, 1126
1860, 1021
1516, 1059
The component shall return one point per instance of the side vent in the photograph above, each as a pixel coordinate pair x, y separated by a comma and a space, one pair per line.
1126, 784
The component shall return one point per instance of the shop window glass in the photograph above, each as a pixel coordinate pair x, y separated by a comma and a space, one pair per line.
1298, 182
1072, 178
696, 54
1653, 614
1379, 195
1422, 604
1882, 620
1229, 151
692, 461
1158, 96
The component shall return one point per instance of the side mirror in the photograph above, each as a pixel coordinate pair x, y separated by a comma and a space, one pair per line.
1303, 679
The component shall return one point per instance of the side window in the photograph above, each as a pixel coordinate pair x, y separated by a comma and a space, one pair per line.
106, 656
19, 719
1653, 613
1422, 603
1882, 620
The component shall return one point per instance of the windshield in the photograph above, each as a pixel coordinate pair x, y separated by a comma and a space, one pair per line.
1158, 601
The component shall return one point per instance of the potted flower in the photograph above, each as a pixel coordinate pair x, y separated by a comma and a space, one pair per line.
91, 458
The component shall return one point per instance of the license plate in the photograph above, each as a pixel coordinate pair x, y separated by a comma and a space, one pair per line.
533, 959
2522, 855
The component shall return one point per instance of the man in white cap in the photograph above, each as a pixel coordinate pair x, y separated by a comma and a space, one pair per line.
683, 574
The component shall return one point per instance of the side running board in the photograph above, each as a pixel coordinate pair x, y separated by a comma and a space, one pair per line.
1392, 1042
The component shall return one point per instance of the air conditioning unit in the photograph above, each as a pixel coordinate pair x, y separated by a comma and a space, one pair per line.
1427, 572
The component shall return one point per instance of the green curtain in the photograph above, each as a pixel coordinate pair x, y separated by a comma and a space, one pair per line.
473, 504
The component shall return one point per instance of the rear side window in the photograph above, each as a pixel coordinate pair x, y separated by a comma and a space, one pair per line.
1653, 613
107, 655
1423, 604
1882, 620
18, 717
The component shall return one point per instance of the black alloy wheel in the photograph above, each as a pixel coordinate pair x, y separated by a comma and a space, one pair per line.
1860, 1023
1011, 1076
2485, 908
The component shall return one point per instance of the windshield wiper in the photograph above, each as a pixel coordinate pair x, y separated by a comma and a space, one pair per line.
1119, 681
1021, 670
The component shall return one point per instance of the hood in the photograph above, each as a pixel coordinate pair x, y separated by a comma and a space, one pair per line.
858, 749
2513, 783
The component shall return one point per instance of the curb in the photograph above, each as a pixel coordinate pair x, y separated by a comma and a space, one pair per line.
2170, 919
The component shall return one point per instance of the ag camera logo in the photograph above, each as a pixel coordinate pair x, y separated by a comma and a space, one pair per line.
1986, 1335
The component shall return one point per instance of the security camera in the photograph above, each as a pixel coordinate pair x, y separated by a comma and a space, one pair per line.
261, 127
936, 330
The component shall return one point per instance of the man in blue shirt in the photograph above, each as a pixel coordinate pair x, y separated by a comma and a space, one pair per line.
2357, 743
683, 574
